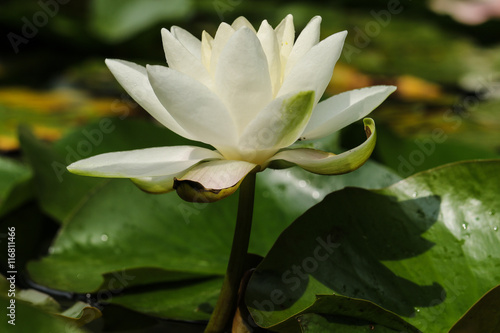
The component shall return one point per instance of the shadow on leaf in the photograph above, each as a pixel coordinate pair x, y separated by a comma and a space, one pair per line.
339, 247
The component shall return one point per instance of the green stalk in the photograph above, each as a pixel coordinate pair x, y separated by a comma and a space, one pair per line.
221, 318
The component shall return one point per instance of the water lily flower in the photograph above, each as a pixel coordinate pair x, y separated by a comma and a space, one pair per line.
248, 93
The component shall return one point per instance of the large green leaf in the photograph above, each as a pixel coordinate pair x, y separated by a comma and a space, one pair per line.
14, 184
346, 309
425, 248
110, 221
181, 301
297, 190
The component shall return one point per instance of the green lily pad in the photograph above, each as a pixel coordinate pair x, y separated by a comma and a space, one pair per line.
38, 299
32, 319
181, 301
424, 248
120, 227
314, 323
51, 179
60, 192
484, 316
14, 184
80, 314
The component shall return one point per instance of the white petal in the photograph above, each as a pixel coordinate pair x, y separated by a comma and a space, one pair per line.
280, 123
212, 181
269, 43
325, 163
206, 50
241, 22
343, 109
134, 79
138, 163
224, 32
314, 70
242, 78
182, 60
285, 33
158, 184
193, 105
307, 39
190, 42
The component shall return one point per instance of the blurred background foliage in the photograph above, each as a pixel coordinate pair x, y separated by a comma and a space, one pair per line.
447, 73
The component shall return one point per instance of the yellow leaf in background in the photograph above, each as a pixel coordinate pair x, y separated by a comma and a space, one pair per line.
8, 142
347, 78
414, 88
51, 114
408, 120
410, 87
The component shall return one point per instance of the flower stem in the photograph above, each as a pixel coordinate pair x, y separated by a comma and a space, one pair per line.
226, 304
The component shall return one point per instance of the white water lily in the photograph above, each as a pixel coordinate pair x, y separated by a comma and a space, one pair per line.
249, 94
